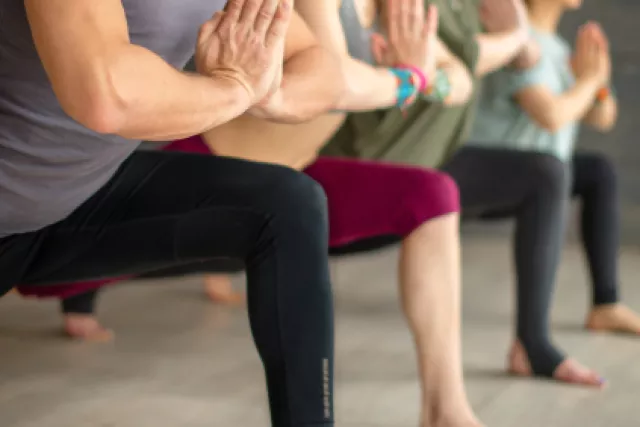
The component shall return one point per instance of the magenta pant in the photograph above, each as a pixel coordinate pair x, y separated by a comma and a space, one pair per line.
366, 200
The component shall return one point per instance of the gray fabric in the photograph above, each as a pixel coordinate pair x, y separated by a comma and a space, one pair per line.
49, 164
358, 38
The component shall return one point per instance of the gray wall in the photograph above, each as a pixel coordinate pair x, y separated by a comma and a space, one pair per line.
621, 21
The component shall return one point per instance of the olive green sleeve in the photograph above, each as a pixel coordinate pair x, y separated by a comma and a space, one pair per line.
458, 28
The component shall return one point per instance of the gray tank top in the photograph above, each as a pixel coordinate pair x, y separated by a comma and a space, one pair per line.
358, 38
49, 164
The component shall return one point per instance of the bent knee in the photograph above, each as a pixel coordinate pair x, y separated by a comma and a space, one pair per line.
599, 168
298, 199
428, 194
434, 191
548, 172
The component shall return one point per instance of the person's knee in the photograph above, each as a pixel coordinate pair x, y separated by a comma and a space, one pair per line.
601, 171
430, 194
298, 202
549, 174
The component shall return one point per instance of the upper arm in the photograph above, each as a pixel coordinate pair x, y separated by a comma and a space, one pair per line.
73, 37
538, 102
299, 37
529, 88
323, 18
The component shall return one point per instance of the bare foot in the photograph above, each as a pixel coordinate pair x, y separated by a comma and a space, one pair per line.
87, 328
614, 318
220, 290
568, 371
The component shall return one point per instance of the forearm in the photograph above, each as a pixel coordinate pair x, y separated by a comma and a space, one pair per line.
571, 106
366, 87
311, 85
148, 99
603, 115
460, 82
498, 50
528, 56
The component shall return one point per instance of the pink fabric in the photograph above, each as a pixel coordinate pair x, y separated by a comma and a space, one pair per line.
366, 199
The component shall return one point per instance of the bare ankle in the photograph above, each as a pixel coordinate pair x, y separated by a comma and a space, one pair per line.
451, 412
86, 327
456, 420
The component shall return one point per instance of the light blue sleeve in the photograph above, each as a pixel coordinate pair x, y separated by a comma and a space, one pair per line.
516, 80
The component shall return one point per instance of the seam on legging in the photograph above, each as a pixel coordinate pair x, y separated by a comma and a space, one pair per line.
280, 322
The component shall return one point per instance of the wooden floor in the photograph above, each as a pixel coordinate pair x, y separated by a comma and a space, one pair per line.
178, 361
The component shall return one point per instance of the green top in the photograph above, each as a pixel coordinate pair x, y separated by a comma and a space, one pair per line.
425, 134
501, 123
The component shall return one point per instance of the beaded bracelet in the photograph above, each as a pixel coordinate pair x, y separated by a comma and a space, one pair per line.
439, 90
424, 83
407, 89
602, 94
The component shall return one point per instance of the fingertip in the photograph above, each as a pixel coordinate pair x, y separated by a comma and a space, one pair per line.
432, 14
284, 8
205, 32
286, 4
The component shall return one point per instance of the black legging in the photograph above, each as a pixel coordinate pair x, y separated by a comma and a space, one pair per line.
167, 209
534, 188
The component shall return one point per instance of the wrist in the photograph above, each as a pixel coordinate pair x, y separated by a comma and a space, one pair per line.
408, 84
419, 77
439, 88
592, 80
520, 38
240, 89
604, 94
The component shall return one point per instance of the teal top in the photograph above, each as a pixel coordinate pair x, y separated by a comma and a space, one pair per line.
501, 123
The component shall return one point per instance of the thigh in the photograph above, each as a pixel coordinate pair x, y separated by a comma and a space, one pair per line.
161, 209
372, 199
492, 182
16, 254
591, 170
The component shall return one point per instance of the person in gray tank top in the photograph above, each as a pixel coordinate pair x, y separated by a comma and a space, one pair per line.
81, 83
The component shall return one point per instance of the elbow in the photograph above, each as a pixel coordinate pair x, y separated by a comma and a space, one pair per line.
461, 93
101, 116
326, 93
605, 127
550, 120
344, 87
333, 93
550, 123
94, 106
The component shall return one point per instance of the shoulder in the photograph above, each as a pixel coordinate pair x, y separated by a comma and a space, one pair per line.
552, 44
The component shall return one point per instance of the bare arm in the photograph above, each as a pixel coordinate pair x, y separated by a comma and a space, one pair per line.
552, 112
507, 32
312, 80
603, 115
367, 87
496, 50
458, 74
112, 86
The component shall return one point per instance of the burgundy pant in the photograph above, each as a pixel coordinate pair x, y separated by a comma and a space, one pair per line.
366, 200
